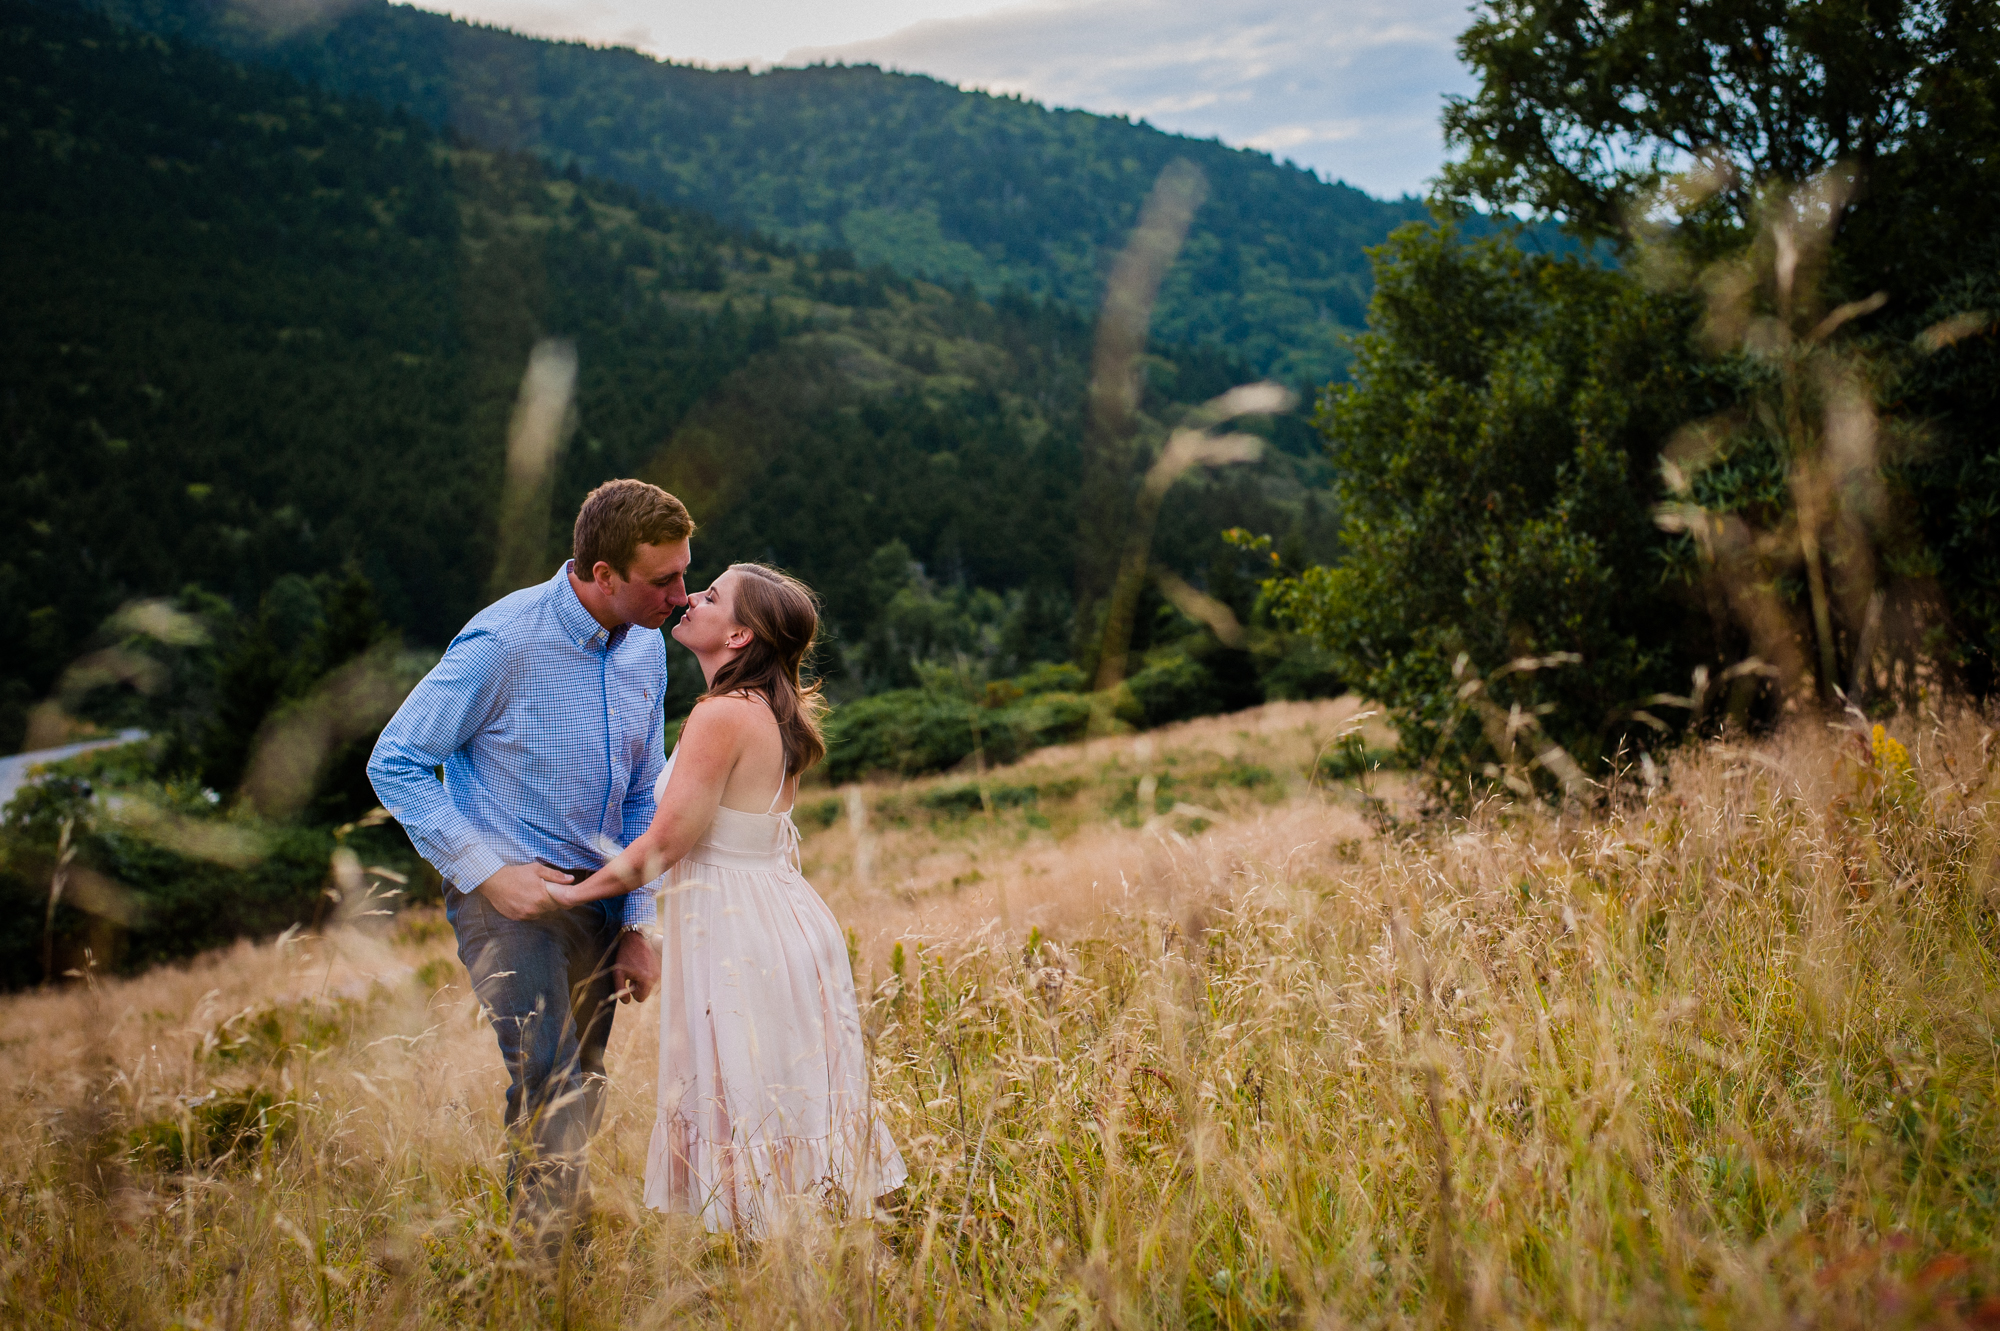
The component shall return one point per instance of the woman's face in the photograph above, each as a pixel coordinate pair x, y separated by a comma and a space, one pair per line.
708, 626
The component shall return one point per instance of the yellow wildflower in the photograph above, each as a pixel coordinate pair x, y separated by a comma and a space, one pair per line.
1890, 755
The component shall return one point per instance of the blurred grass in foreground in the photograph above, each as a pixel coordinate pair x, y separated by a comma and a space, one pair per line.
1722, 1054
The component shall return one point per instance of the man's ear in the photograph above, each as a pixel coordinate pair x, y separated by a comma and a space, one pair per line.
602, 573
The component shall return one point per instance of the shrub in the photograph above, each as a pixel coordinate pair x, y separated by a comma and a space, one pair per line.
903, 731
1174, 690
135, 899
1495, 457
911, 731
213, 1126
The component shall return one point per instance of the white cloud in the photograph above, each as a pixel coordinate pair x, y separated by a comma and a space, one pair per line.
1351, 88
753, 32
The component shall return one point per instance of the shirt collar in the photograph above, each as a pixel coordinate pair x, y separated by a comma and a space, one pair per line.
578, 624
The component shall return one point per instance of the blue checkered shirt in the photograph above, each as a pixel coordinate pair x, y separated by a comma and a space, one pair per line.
550, 731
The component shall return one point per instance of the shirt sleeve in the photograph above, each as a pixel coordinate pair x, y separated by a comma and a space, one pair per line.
641, 803
455, 701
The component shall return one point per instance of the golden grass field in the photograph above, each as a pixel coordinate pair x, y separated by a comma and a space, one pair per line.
1170, 1035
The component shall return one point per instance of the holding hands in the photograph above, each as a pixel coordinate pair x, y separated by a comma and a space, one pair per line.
523, 891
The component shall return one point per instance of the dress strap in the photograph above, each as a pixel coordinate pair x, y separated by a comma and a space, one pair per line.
788, 837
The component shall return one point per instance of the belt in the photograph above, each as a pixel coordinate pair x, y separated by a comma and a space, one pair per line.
575, 875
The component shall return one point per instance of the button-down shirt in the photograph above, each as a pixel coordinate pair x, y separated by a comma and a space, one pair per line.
550, 731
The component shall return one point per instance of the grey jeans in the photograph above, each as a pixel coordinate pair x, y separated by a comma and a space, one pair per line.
546, 985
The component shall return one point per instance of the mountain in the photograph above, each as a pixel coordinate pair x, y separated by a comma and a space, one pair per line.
899, 169
260, 332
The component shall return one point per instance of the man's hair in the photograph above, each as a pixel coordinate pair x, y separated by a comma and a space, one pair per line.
620, 516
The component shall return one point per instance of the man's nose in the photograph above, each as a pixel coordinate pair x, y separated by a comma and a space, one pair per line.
678, 597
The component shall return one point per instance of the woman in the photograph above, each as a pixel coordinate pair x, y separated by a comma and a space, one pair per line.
763, 1072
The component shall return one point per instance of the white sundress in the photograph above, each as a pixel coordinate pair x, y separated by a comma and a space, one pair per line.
764, 1097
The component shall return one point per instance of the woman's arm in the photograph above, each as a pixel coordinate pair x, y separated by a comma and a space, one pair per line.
710, 743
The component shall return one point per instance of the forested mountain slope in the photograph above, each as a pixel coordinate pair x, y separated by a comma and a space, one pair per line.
257, 333
900, 168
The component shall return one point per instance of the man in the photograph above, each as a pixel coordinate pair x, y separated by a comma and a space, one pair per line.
546, 716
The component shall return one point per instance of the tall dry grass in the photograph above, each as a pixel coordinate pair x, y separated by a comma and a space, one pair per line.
1720, 1053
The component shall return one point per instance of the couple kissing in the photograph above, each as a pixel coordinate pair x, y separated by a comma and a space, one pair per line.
585, 867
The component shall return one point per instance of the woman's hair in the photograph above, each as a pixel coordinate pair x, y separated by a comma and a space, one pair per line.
783, 618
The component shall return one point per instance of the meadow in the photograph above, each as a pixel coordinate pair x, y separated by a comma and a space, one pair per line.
1209, 1027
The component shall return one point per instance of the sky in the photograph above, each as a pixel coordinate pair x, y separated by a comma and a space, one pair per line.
1350, 88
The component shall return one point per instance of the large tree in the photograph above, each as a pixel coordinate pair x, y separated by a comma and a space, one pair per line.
1494, 461
1588, 110
1586, 107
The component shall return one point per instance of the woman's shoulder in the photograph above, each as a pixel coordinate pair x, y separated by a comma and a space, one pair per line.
731, 709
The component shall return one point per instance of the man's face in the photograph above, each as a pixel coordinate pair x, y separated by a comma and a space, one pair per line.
655, 587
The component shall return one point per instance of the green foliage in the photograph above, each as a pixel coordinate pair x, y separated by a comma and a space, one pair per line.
1493, 459
908, 731
213, 1126
1952, 387
173, 900
1352, 758
893, 168
1585, 109
261, 337
911, 731
1588, 112
303, 630
1182, 686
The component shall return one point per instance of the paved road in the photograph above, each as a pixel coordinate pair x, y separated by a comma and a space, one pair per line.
14, 769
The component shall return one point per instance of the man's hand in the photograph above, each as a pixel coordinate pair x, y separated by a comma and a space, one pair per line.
636, 973
518, 891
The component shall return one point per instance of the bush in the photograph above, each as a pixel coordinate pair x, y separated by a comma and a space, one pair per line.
1051, 677
1496, 457
903, 731
1954, 477
1053, 718
1297, 668
908, 731
214, 1126
1181, 687
134, 900
171, 905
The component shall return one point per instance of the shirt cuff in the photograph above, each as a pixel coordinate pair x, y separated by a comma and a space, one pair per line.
471, 867
640, 912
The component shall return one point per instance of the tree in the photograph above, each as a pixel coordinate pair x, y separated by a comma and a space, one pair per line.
1586, 108
1494, 458
1686, 134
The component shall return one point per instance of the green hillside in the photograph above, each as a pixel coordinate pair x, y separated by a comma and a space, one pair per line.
898, 168
259, 335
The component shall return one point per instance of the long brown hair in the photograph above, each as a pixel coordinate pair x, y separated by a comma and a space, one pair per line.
782, 615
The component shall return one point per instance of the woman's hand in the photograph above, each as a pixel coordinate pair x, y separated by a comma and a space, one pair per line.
711, 741
523, 891
606, 882
559, 893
